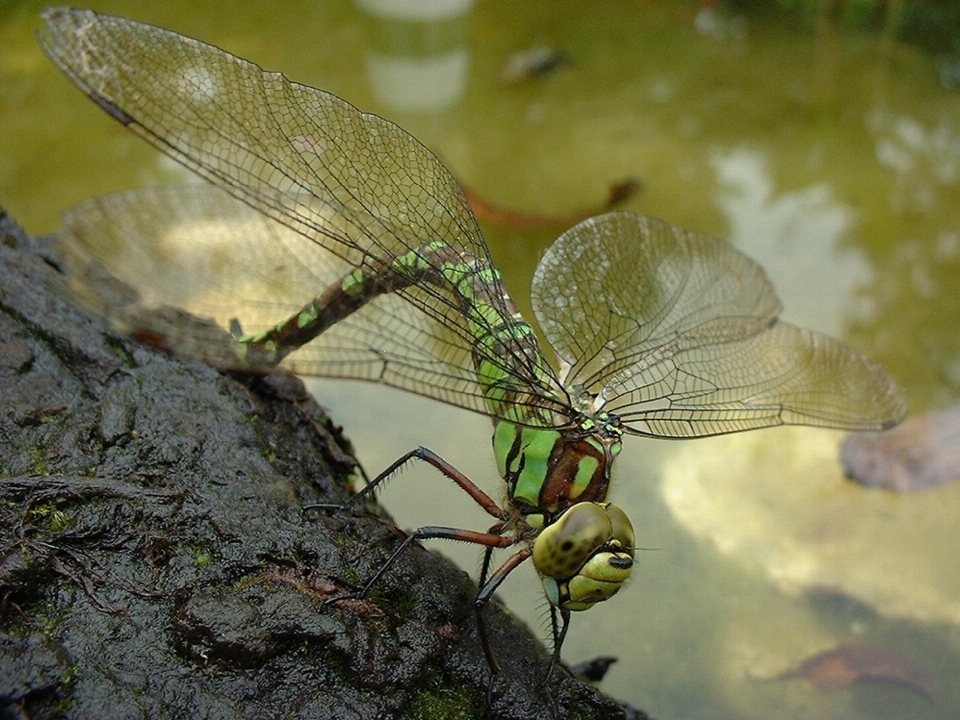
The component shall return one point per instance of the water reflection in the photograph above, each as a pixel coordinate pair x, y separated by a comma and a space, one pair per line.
417, 55
797, 236
923, 157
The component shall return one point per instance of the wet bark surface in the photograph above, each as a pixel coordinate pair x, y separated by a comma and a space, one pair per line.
155, 560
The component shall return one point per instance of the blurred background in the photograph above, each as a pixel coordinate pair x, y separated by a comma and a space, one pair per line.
822, 137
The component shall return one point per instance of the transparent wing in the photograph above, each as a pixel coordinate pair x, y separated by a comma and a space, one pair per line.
299, 156
677, 333
289, 150
197, 248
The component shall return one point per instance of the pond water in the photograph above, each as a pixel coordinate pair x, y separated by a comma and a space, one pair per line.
832, 156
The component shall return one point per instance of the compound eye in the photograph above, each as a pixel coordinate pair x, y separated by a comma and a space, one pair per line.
562, 548
621, 529
585, 556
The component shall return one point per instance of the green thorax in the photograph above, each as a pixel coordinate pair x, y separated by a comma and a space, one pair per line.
549, 461
550, 469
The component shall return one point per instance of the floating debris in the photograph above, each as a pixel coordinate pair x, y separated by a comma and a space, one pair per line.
921, 453
520, 220
593, 671
845, 665
535, 62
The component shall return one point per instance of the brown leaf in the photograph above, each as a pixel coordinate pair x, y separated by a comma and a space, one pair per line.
844, 665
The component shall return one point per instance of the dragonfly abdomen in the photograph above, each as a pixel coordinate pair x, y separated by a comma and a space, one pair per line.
509, 364
505, 349
349, 294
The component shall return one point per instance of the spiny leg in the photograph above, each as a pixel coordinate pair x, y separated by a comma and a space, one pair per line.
559, 632
491, 539
430, 532
488, 587
428, 456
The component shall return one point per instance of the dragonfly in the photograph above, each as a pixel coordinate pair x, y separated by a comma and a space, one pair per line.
332, 243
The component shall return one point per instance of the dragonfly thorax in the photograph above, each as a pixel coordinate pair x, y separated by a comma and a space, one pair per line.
547, 470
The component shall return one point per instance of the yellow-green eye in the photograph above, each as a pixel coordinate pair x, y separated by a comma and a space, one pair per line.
564, 545
585, 556
621, 529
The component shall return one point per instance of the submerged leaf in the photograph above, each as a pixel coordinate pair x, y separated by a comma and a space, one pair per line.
921, 453
844, 665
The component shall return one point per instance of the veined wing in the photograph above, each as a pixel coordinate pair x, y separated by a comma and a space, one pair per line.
294, 153
197, 248
291, 151
676, 332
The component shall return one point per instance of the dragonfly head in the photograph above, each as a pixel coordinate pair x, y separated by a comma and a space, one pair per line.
585, 555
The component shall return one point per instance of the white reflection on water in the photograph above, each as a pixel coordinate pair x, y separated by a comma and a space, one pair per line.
796, 235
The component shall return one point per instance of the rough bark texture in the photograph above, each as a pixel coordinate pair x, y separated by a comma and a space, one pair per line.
155, 560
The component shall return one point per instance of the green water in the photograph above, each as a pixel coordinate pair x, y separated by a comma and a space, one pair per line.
831, 156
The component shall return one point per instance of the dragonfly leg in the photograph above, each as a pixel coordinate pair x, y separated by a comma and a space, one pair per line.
423, 454
430, 532
559, 631
492, 539
487, 587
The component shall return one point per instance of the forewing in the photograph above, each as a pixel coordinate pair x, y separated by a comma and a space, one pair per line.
616, 287
677, 333
289, 150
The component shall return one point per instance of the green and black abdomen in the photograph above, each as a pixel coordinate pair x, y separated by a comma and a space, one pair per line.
509, 365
